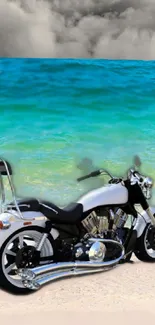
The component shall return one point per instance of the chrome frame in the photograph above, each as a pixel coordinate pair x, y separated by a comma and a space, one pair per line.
3, 205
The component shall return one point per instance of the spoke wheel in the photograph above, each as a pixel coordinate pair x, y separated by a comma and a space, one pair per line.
18, 252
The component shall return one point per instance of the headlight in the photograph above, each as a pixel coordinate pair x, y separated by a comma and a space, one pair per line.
5, 220
148, 182
147, 185
5, 224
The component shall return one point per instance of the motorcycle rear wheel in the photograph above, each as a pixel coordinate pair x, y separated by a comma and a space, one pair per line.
9, 281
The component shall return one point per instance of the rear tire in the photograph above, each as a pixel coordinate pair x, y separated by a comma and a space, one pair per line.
15, 286
143, 253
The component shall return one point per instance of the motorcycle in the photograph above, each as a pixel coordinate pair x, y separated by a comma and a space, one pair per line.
41, 242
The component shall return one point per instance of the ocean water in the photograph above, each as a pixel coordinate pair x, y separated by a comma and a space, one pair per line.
54, 113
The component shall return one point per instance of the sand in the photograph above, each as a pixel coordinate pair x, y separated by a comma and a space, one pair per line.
121, 296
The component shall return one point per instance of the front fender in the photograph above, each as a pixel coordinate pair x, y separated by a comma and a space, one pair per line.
141, 222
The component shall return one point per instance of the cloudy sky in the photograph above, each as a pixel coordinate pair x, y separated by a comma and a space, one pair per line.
121, 29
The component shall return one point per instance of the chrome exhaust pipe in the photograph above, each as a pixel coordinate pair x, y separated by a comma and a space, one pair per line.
36, 283
38, 276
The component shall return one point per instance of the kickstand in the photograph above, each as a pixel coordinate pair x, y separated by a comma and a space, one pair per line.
130, 261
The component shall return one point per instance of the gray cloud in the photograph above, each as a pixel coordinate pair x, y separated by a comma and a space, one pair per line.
78, 28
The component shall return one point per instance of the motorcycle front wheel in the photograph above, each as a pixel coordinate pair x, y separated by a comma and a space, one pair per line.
12, 254
145, 246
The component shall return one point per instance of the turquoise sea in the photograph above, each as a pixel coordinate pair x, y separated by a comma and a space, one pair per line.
54, 113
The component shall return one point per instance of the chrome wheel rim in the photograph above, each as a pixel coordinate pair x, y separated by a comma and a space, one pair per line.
28, 237
148, 249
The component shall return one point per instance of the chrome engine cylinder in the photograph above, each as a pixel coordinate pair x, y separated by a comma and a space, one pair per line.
120, 218
103, 224
91, 223
96, 223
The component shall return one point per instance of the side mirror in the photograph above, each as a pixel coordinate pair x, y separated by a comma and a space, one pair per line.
137, 161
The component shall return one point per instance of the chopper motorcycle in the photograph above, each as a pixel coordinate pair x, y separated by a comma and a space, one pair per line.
40, 242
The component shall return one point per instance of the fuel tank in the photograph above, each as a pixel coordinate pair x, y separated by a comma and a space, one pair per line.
106, 195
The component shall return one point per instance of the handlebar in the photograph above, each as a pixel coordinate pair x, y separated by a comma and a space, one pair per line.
145, 183
138, 176
93, 174
98, 172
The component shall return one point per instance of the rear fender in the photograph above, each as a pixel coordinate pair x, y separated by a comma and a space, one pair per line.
141, 222
17, 223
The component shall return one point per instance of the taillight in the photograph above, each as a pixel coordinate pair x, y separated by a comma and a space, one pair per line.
26, 223
5, 224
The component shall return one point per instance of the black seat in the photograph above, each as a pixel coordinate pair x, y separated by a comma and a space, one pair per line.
69, 215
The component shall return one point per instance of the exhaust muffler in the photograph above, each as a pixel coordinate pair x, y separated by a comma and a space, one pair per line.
36, 277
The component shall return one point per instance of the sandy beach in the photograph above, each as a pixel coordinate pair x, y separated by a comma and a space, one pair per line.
123, 295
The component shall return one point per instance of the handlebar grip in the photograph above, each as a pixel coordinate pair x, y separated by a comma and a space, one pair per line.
83, 178
95, 173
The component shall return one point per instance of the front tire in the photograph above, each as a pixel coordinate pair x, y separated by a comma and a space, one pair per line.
8, 254
144, 252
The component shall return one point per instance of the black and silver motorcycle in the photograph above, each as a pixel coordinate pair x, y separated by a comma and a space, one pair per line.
40, 242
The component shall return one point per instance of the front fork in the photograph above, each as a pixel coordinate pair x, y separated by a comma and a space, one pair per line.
151, 216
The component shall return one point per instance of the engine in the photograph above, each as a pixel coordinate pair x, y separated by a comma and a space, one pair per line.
103, 221
110, 249
104, 224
